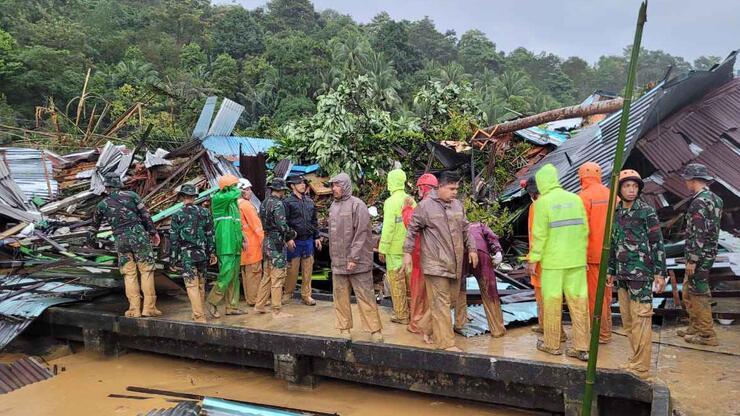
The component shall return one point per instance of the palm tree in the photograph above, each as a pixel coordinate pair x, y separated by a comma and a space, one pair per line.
452, 73
134, 72
512, 84
350, 53
383, 81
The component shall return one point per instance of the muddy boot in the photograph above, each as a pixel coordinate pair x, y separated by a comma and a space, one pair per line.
235, 311
688, 331
133, 290
705, 334
376, 337
134, 307
147, 287
541, 346
212, 310
345, 334
538, 329
700, 340
196, 302
581, 355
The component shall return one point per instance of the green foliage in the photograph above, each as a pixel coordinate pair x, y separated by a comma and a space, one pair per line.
497, 218
277, 60
236, 32
349, 133
447, 109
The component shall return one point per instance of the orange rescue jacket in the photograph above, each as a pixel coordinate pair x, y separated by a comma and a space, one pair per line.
595, 197
252, 231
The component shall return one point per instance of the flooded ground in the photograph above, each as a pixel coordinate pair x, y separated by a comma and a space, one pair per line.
84, 388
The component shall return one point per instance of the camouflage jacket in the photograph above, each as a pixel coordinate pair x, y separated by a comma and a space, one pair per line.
191, 236
636, 251
702, 227
123, 210
277, 231
131, 224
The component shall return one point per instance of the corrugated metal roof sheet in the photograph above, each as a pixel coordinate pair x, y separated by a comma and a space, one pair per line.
596, 143
21, 373
13, 203
113, 160
18, 309
230, 145
204, 120
226, 119
541, 137
513, 312
32, 172
702, 133
653, 109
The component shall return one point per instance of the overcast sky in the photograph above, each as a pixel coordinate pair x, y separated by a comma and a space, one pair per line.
585, 28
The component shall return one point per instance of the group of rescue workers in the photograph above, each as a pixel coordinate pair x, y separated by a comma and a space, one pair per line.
429, 248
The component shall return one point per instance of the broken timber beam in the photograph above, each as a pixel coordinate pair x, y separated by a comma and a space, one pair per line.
174, 174
601, 107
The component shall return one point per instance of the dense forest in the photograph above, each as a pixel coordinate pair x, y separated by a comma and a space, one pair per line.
319, 82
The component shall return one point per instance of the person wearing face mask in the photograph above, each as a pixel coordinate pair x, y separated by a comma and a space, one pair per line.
637, 264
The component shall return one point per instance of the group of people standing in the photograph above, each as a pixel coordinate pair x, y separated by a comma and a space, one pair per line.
429, 248
566, 237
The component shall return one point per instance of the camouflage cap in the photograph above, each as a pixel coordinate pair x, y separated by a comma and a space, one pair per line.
696, 171
189, 190
277, 184
112, 181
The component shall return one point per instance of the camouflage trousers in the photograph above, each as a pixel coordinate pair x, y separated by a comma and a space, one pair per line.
134, 242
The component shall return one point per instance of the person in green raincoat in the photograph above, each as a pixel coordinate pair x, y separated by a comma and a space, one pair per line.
229, 240
559, 246
391, 244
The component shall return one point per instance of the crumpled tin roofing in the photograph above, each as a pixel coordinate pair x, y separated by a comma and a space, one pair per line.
596, 143
32, 171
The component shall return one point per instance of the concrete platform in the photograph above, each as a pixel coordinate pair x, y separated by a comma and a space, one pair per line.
507, 371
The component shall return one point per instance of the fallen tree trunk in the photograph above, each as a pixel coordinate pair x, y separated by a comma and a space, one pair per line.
601, 107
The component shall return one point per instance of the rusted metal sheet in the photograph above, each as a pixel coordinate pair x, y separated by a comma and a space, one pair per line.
704, 132
21, 373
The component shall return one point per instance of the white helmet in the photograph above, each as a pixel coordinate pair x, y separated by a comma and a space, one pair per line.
244, 184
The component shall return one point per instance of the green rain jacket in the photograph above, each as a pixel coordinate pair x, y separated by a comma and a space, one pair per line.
394, 231
227, 221
560, 229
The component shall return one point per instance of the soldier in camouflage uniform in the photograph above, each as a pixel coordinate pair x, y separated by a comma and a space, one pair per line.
134, 234
702, 232
277, 235
637, 263
192, 247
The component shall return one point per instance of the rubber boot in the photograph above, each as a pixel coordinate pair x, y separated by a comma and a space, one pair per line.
133, 291
150, 293
192, 287
307, 274
705, 334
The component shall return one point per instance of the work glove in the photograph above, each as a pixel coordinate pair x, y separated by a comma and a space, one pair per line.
498, 258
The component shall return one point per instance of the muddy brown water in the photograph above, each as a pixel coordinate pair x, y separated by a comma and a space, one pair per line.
88, 380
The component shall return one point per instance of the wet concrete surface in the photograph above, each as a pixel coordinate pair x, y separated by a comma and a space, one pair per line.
319, 320
89, 379
702, 380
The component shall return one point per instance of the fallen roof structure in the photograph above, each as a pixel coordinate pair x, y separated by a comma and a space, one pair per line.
597, 143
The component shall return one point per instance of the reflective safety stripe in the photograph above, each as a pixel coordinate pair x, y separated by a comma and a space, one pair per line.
226, 218
565, 223
600, 202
